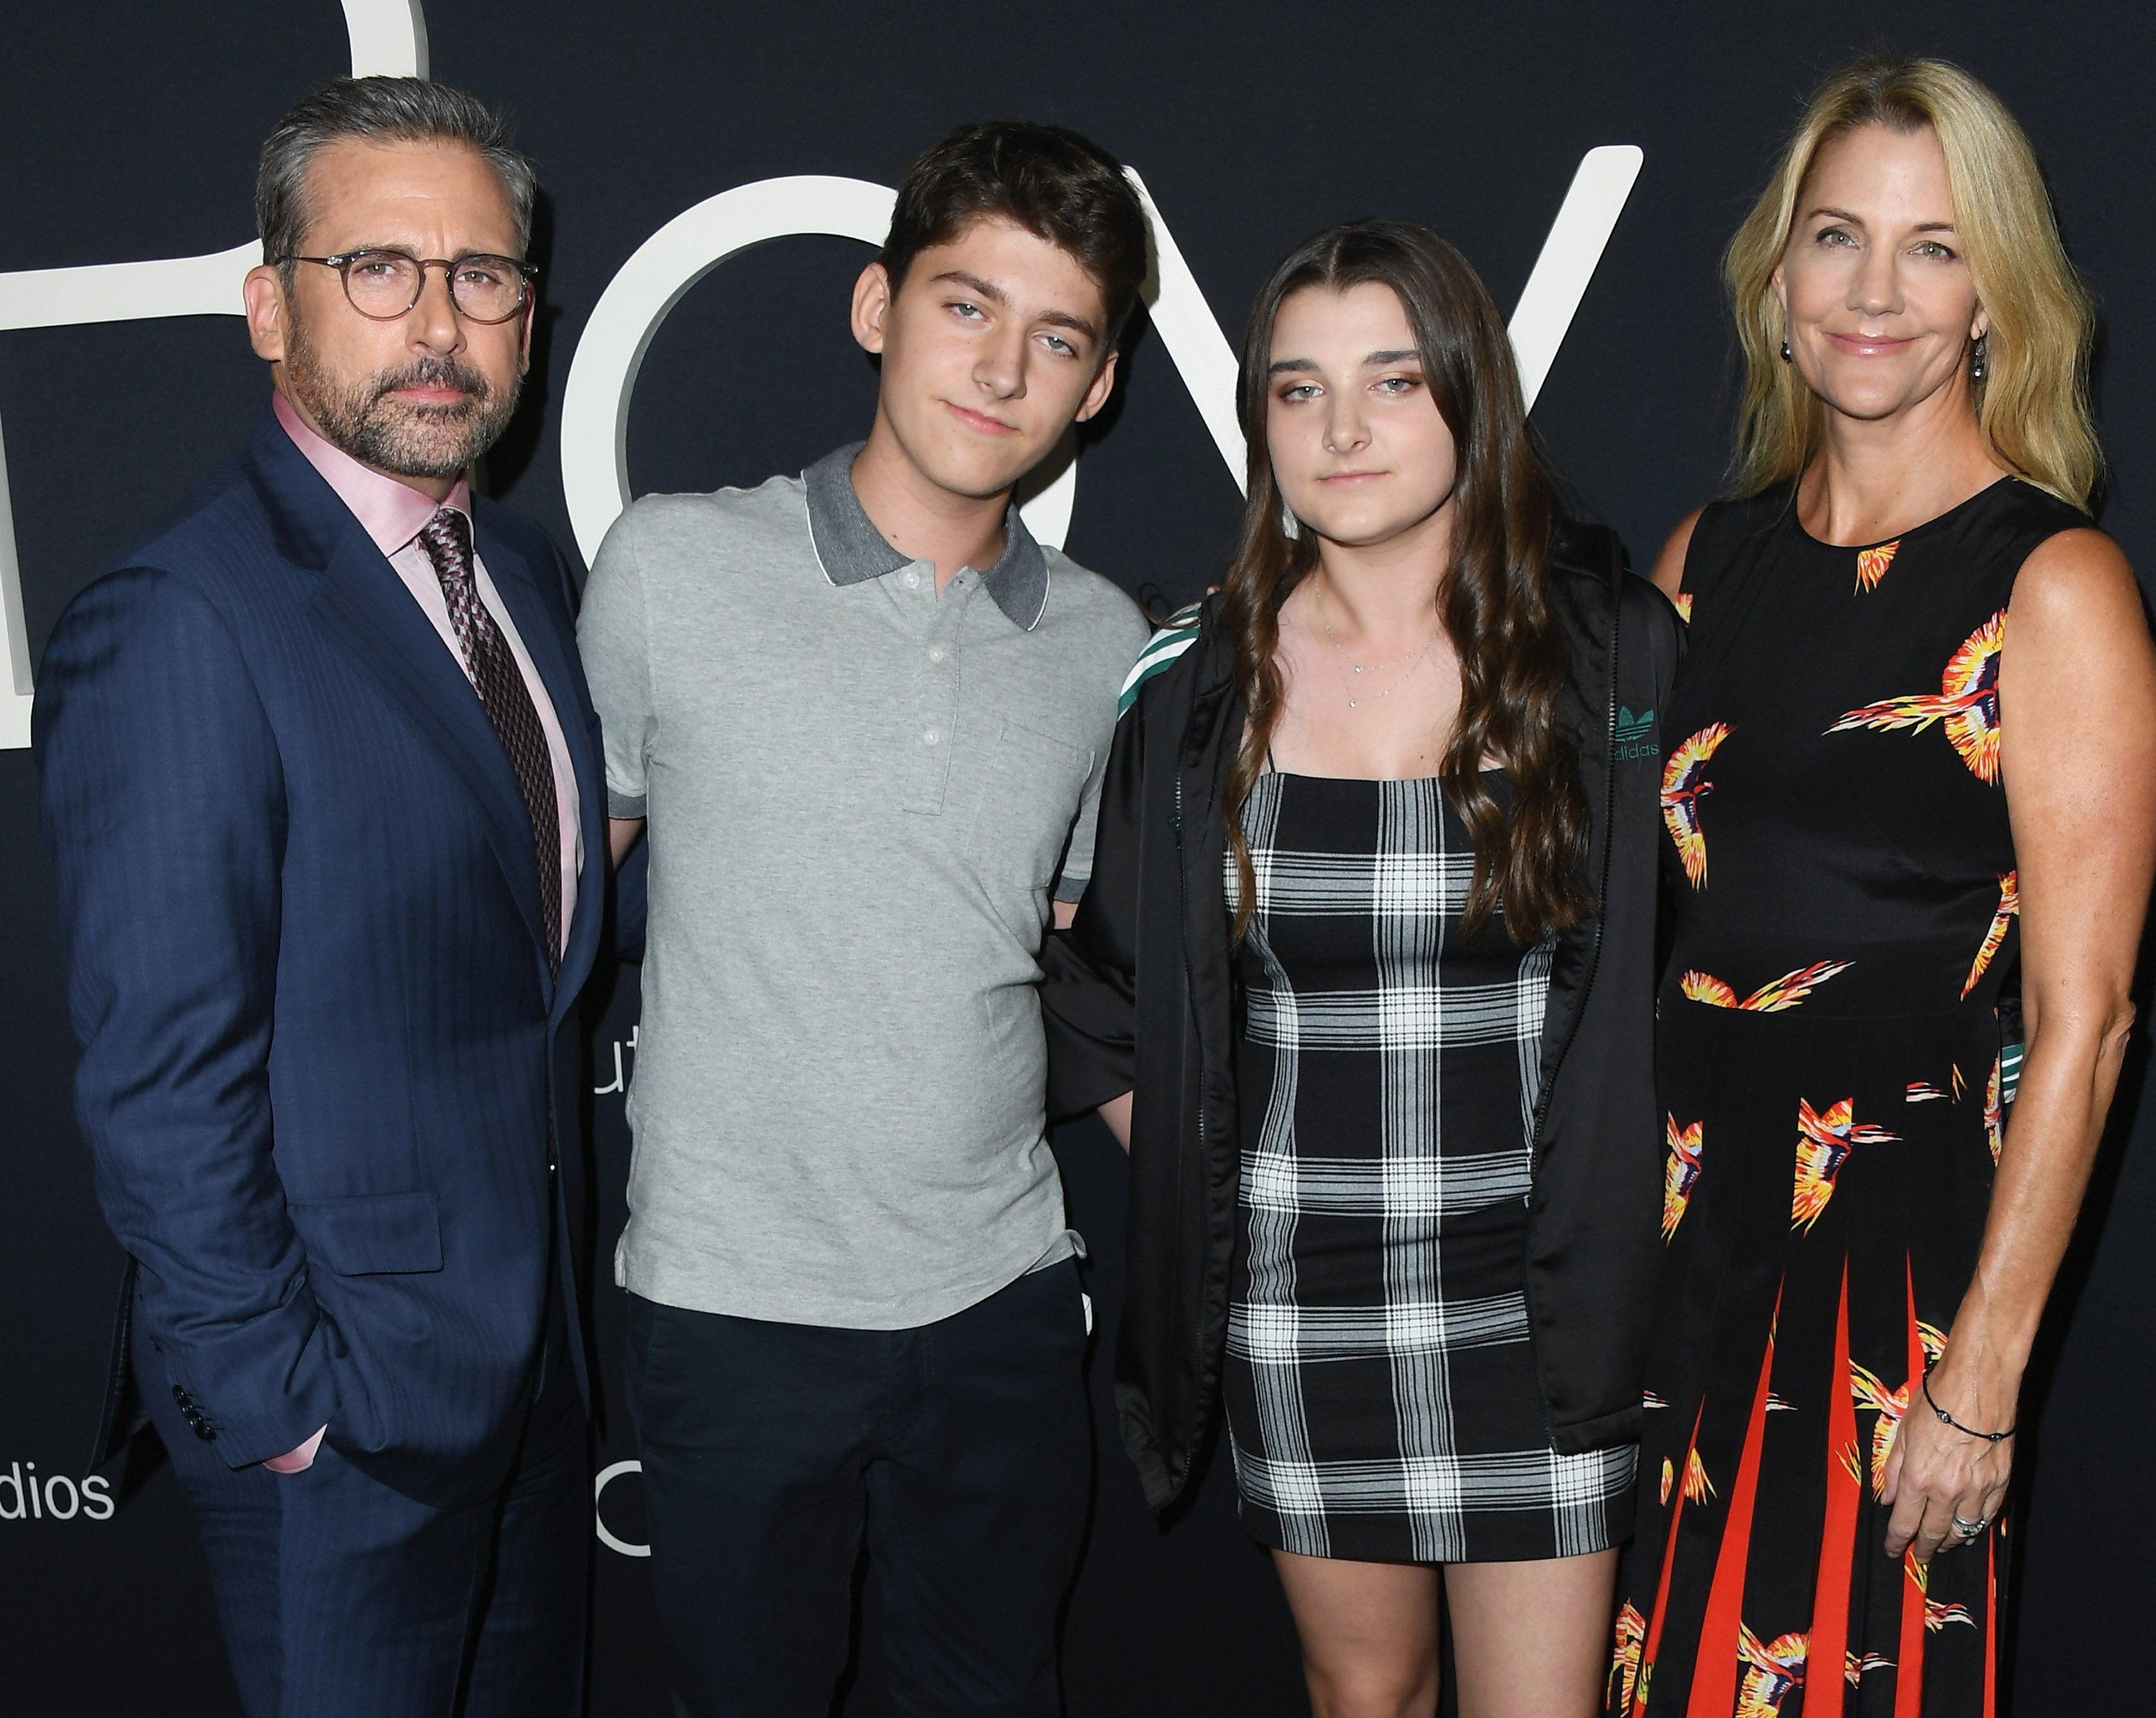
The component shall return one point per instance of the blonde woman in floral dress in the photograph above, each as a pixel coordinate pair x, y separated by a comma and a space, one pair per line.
1911, 787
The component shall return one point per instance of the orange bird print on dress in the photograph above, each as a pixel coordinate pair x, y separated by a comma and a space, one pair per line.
1823, 1139
1854, 1667
1679, 1172
1773, 1672
1850, 1464
1684, 607
1684, 785
1936, 1615
1697, 1487
1994, 1112
1872, 564
1891, 1405
1625, 1659
1967, 702
1772, 998
2010, 903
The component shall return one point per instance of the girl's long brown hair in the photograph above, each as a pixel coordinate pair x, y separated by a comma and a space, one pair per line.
1493, 600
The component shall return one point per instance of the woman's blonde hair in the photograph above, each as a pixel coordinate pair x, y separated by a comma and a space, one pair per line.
2032, 404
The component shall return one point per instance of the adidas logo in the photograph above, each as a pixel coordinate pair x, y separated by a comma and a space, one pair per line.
1632, 732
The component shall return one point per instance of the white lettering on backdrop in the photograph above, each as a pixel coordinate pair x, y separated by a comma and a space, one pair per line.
390, 36
602, 376
387, 36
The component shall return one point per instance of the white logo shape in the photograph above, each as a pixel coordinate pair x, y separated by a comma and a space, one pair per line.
659, 273
608, 1537
390, 37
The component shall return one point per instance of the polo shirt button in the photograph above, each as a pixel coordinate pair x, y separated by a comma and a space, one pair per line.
936, 653
912, 581
931, 737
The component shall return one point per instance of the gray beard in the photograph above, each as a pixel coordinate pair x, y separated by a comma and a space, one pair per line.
412, 441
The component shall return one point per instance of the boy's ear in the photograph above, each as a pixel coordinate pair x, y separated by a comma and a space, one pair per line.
872, 297
1104, 384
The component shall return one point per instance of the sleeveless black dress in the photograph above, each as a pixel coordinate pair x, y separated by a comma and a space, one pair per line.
1841, 880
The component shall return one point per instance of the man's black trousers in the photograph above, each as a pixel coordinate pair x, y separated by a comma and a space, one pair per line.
962, 1448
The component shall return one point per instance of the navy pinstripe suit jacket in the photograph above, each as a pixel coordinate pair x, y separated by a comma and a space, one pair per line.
321, 1049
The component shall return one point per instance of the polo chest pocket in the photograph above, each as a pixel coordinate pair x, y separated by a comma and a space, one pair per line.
1031, 787
371, 1234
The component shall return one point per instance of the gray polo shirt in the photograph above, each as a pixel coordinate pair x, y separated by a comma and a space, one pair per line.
861, 795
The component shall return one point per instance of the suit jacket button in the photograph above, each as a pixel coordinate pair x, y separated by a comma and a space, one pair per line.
179, 1396
206, 1431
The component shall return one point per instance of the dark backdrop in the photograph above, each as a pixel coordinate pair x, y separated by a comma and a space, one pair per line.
128, 131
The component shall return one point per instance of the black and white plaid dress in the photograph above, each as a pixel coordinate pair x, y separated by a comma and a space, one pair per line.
1381, 1395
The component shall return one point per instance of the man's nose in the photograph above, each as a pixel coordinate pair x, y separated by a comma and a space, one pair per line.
433, 318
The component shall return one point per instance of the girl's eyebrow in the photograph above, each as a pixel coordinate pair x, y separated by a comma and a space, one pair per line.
1375, 361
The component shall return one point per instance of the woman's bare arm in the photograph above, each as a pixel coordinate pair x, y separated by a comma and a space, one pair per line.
1669, 567
1116, 1113
2077, 724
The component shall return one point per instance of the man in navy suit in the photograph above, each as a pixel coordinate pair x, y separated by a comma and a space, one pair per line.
320, 776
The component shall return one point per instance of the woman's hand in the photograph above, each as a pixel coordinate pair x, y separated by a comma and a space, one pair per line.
1936, 1474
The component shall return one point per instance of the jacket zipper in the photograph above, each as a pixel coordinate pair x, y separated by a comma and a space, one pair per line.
1190, 1003
1586, 984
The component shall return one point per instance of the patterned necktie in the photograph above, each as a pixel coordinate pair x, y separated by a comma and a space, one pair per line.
495, 676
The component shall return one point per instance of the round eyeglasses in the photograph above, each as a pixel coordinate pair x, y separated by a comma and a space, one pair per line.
385, 285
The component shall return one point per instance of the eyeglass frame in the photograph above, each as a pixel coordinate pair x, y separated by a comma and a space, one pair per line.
341, 261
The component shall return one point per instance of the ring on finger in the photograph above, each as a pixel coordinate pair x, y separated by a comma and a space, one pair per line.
1969, 1530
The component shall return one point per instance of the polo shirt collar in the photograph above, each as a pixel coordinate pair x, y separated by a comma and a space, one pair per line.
850, 549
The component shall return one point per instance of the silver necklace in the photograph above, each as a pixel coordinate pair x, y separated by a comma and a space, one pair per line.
1342, 662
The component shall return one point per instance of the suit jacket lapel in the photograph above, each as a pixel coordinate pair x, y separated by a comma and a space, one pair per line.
359, 595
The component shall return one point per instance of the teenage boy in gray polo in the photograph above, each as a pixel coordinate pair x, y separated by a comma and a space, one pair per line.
864, 716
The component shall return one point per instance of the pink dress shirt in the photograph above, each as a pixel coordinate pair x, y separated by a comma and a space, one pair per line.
392, 514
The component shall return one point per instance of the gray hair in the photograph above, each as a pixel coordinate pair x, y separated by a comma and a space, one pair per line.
382, 109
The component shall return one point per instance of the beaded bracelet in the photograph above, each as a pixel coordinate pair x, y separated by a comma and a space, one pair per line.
1947, 1419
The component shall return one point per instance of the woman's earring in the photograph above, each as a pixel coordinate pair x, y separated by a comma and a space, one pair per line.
1785, 352
1976, 356
1291, 526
